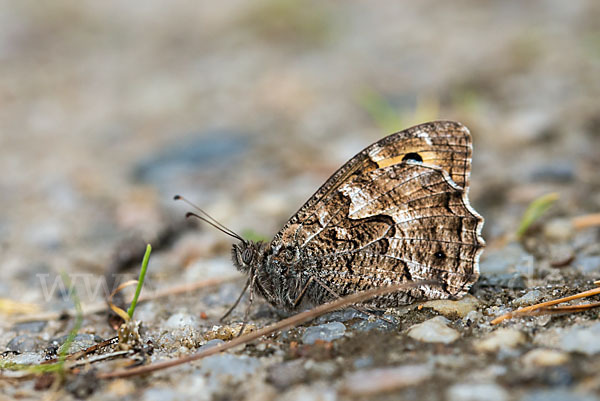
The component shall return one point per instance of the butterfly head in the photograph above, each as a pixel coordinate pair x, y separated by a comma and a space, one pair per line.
246, 254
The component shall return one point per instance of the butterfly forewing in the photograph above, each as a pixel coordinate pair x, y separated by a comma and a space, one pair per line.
396, 212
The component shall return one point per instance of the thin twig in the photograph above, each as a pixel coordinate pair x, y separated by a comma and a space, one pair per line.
571, 308
585, 221
98, 358
544, 306
291, 321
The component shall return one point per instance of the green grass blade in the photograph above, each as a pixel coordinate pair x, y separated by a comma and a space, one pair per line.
140, 283
535, 210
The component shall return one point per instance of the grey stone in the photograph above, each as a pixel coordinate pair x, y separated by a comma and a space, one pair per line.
363, 362
324, 332
236, 367
373, 381
477, 392
559, 394
211, 344
557, 171
285, 374
26, 358
581, 339
511, 257
312, 393
160, 394
341, 316
558, 230
181, 321
515, 281
80, 342
528, 298
503, 338
434, 330
25, 343
377, 324
587, 264
30, 327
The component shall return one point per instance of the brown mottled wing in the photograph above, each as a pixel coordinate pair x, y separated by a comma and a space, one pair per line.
397, 211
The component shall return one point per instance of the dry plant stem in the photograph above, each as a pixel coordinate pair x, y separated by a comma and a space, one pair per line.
101, 306
544, 306
98, 358
585, 221
291, 321
72, 361
77, 355
571, 308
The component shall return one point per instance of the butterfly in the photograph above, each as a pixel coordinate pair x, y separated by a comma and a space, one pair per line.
395, 213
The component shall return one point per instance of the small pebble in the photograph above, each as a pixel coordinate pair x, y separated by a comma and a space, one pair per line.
181, 321
309, 393
182, 330
228, 332
587, 264
120, 387
211, 343
558, 394
363, 362
450, 308
284, 375
80, 342
369, 382
505, 260
342, 316
25, 343
529, 298
581, 339
237, 367
515, 281
503, 338
321, 370
159, 394
558, 172
545, 357
378, 324
434, 330
477, 392
26, 358
324, 332
30, 327
472, 317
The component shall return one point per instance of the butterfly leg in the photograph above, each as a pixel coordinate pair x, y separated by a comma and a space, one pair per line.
301, 295
247, 312
237, 301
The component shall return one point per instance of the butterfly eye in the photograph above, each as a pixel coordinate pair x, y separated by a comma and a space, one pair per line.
289, 255
247, 256
415, 157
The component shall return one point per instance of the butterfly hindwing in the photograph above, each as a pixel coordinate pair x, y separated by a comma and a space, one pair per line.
395, 212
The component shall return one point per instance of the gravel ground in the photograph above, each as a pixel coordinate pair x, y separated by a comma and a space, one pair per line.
108, 109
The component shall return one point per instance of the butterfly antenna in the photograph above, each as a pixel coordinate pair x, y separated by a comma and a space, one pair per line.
208, 218
204, 219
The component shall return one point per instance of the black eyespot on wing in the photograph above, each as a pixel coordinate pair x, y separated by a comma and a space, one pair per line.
440, 255
415, 157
